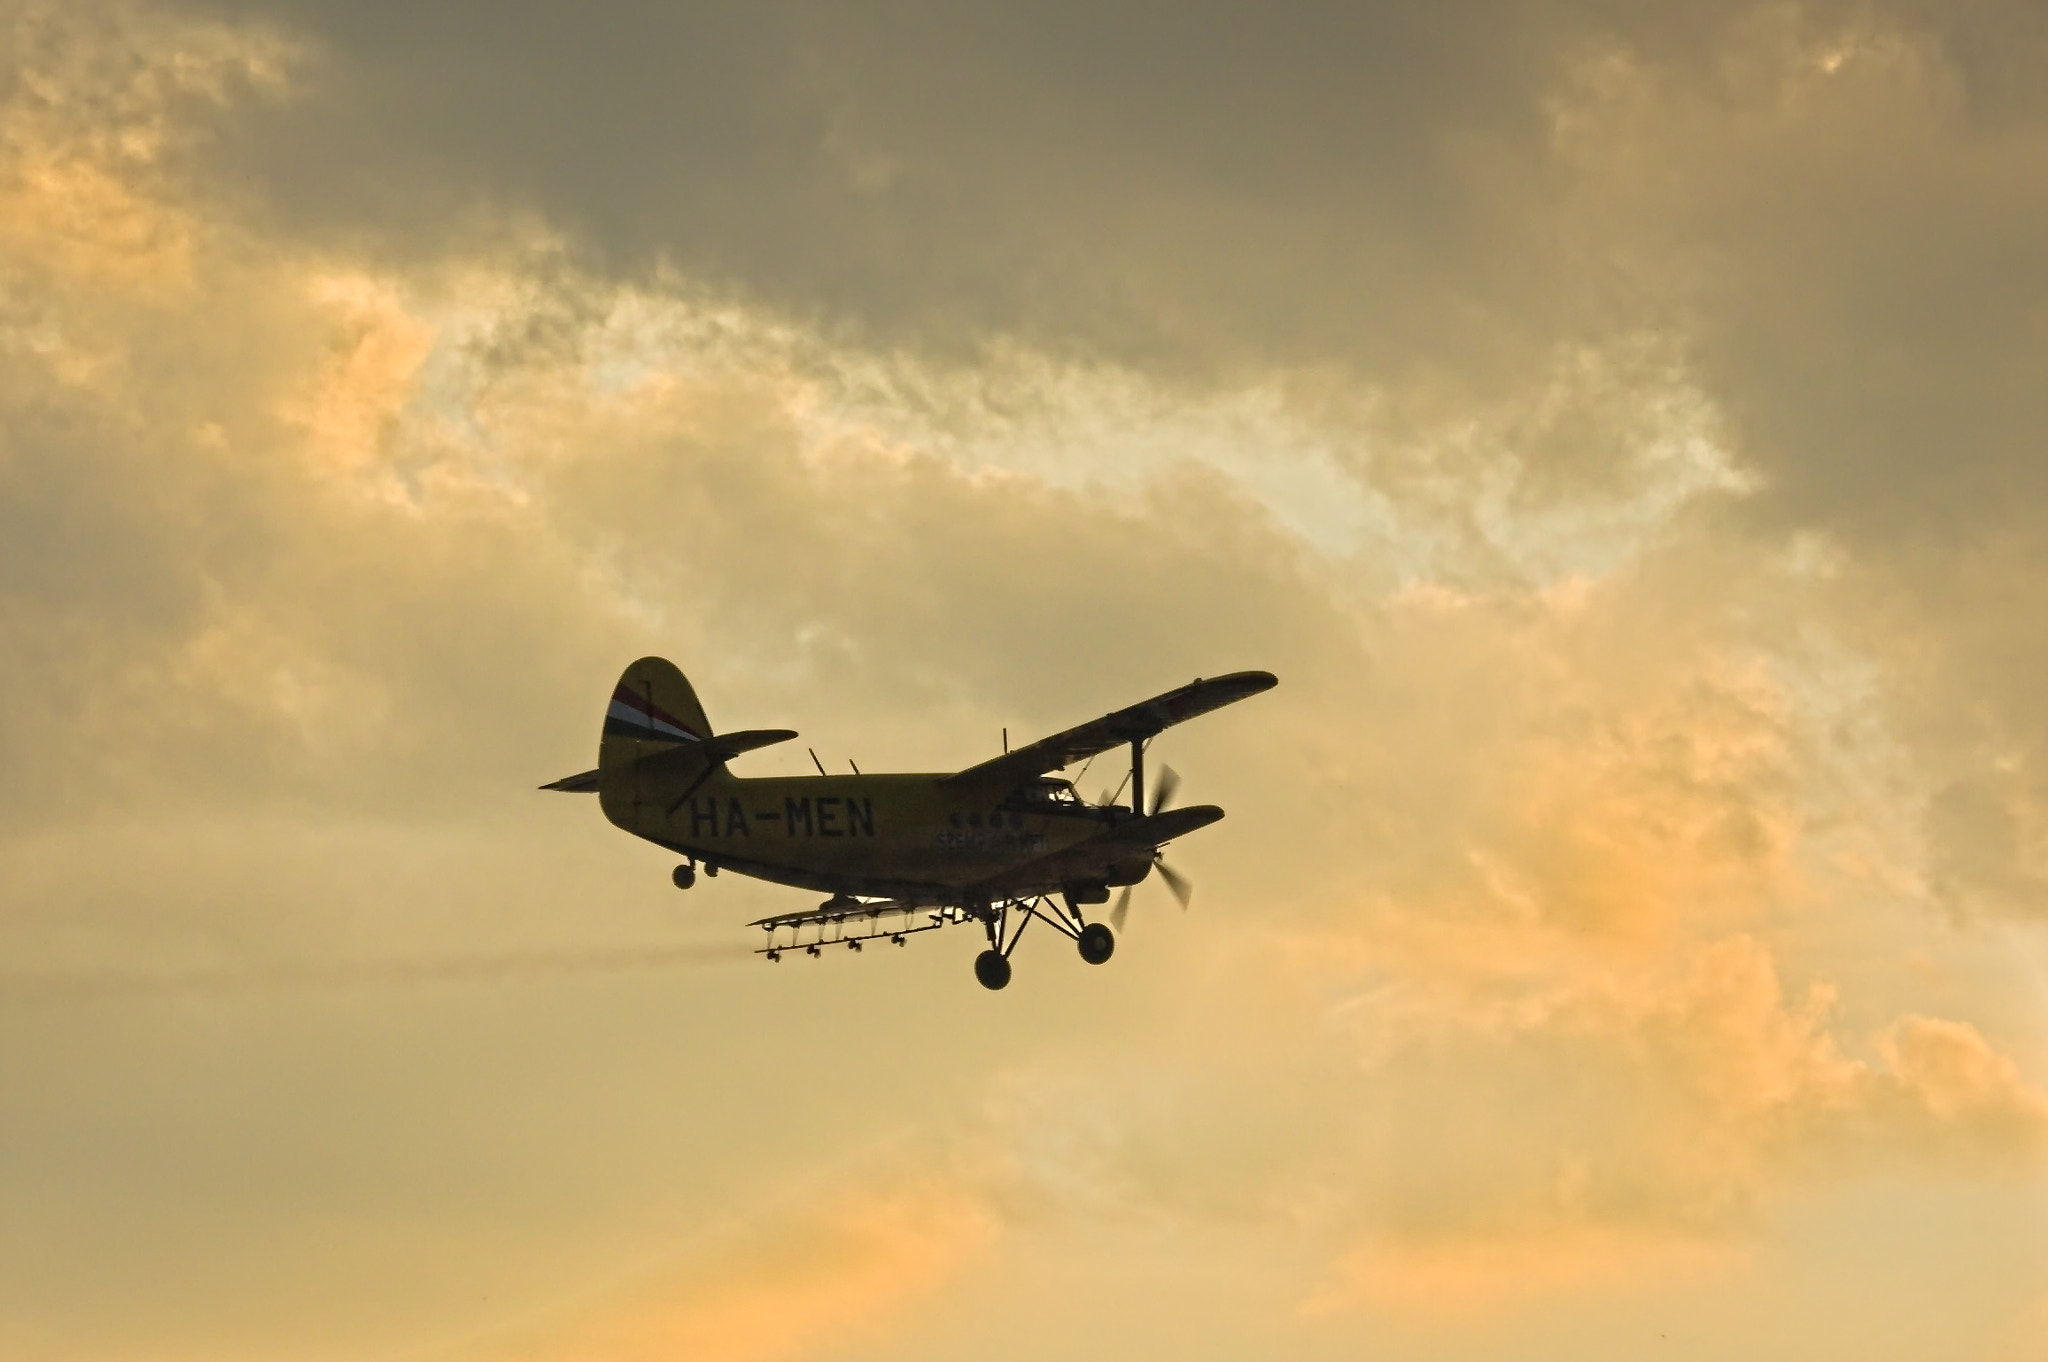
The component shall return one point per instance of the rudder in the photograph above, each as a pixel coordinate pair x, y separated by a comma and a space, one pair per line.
652, 710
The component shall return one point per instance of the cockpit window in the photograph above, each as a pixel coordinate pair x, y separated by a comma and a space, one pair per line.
1045, 793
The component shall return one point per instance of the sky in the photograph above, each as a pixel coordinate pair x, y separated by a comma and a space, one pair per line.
1619, 426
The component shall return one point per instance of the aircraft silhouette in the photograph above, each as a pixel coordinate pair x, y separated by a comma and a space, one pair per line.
1001, 843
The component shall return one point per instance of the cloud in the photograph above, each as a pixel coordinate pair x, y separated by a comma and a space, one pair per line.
1534, 1018
1954, 1089
823, 1279
1469, 1137
1462, 1276
1561, 929
1815, 222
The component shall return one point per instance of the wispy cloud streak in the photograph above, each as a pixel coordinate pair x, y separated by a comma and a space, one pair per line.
25, 987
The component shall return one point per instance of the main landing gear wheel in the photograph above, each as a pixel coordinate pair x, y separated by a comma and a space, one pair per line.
1097, 943
992, 968
684, 876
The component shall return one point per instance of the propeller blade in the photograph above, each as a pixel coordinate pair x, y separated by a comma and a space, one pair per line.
1177, 882
1162, 794
1123, 906
1107, 795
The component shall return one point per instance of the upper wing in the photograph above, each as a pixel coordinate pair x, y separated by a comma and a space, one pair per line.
1134, 724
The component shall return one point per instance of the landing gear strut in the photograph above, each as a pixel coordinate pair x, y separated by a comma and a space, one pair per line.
1097, 943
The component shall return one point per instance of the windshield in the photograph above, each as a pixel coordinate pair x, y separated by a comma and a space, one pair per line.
1046, 792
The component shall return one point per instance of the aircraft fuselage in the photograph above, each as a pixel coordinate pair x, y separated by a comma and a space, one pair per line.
905, 836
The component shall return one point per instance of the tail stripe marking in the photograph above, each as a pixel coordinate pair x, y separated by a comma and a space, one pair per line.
641, 717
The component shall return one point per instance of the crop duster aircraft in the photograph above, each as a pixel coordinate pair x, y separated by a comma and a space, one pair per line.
999, 844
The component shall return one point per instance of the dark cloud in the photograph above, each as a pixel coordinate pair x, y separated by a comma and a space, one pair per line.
1854, 257
1171, 182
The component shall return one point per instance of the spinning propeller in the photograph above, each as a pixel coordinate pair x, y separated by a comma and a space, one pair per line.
1180, 886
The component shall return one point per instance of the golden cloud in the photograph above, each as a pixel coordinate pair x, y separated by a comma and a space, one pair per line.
842, 1274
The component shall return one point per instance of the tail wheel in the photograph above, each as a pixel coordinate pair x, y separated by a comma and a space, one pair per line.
1097, 943
684, 876
992, 968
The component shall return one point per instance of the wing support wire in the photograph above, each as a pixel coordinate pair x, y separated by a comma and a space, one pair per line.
853, 922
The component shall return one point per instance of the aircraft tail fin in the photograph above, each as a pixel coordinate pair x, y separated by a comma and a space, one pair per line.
652, 710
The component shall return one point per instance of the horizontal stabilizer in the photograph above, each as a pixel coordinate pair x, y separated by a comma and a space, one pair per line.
689, 762
725, 746
673, 760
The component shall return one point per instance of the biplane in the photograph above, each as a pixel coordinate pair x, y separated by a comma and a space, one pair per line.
1002, 844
